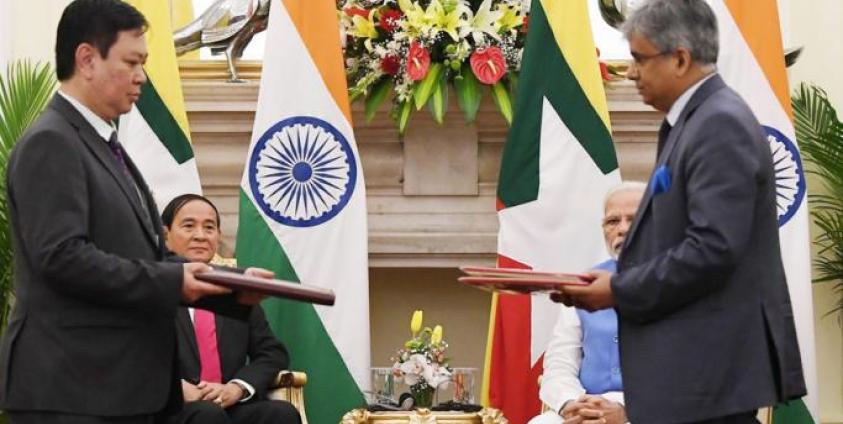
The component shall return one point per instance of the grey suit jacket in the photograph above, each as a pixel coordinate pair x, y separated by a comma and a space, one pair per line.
92, 330
706, 327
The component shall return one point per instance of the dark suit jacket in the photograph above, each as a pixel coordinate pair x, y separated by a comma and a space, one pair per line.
706, 326
92, 330
248, 350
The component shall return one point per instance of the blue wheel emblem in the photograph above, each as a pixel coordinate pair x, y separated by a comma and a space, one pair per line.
302, 171
790, 176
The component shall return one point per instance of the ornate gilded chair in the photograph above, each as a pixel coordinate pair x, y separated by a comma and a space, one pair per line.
289, 386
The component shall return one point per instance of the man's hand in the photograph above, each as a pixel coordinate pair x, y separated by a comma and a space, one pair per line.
609, 412
223, 395
193, 289
597, 295
591, 409
231, 394
191, 392
252, 298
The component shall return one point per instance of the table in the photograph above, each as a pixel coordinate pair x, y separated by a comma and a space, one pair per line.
424, 416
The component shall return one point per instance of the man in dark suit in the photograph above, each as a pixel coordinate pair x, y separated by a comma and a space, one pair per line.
91, 338
227, 366
706, 327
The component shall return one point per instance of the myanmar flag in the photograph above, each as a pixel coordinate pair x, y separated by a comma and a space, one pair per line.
155, 132
751, 61
302, 204
558, 163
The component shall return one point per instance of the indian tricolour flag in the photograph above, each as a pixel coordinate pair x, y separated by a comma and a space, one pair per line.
558, 163
155, 132
752, 63
302, 204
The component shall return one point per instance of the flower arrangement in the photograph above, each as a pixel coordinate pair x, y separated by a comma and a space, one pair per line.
421, 363
415, 49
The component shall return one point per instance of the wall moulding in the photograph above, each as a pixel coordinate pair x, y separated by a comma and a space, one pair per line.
422, 213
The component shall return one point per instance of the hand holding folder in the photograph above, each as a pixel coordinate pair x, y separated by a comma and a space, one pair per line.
520, 281
269, 287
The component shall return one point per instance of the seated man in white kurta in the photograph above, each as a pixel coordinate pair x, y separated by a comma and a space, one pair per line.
582, 377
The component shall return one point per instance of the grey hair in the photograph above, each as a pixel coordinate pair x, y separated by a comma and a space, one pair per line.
624, 186
670, 24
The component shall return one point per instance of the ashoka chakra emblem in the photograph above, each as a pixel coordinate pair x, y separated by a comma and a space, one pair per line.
790, 177
302, 171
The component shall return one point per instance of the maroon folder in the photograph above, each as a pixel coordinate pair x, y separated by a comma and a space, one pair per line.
269, 287
520, 281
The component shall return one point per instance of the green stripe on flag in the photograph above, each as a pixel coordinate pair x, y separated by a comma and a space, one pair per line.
519, 177
793, 412
165, 127
331, 390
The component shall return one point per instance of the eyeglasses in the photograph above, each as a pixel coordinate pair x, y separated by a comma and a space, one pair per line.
640, 59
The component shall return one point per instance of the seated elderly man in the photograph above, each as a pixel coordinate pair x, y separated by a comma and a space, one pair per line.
582, 378
227, 366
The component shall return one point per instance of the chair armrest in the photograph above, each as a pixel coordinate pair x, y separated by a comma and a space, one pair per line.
287, 378
289, 386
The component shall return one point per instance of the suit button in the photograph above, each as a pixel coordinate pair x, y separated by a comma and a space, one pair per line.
616, 339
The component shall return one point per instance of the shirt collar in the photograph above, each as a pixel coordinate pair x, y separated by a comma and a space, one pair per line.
682, 101
103, 128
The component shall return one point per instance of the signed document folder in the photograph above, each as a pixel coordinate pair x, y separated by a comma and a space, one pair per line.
519, 281
269, 287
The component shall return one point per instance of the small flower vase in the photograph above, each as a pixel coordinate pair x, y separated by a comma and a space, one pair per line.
422, 395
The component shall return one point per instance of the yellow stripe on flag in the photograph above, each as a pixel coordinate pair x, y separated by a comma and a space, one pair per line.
312, 18
571, 28
161, 67
487, 358
754, 19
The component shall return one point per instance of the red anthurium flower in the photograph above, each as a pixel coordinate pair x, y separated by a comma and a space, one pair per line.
488, 65
391, 64
604, 69
418, 60
389, 20
356, 11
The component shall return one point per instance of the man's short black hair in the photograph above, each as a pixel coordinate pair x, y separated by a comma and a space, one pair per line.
96, 22
169, 215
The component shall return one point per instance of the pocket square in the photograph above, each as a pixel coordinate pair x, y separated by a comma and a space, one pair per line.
660, 182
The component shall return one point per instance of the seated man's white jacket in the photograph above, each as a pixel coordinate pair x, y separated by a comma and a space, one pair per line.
562, 360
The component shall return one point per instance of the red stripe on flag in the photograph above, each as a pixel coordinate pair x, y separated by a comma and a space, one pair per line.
513, 383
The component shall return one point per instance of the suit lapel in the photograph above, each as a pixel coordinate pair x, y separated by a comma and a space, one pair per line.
185, 327
101, 151
221, 329
703, 92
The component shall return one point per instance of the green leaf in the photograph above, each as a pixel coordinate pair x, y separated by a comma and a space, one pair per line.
438, 103
501, 96
820, 136
404, 112
427, 85
376, 96
25, 90
468, 93
513, 83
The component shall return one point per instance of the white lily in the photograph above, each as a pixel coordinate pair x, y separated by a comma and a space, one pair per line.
484, 22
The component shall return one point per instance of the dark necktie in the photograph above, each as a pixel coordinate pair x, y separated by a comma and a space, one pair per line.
120, 155
664, 131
